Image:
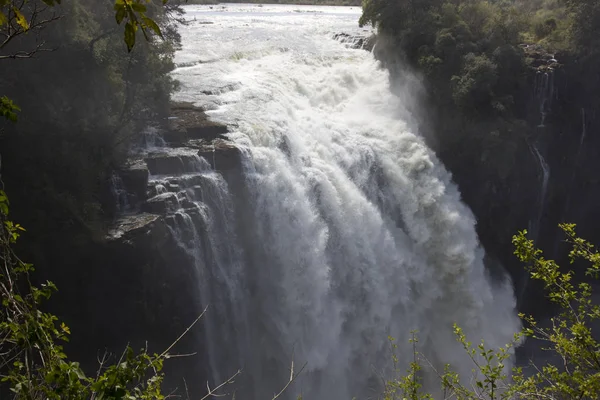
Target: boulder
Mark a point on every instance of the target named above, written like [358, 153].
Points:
[135, 180]
[356, 41]
[222, 155]
[171, 163]
[161, 204]
[129, 227]
[190, 122]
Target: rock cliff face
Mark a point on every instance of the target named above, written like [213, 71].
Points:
[143, 277]
[530, 171]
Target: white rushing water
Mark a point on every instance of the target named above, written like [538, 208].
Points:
[357, 231]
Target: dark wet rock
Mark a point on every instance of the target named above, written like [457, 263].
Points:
[190, 122]
[135, 180]
[222, 155]
[131, 226]
[171, 163]
[173, 187]
[165, 164]
[356, 41]
[161, 204]
[540, 59]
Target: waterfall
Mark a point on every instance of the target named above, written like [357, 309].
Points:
[583, 130]
[576, 165]
[200, 216]
[119, 193]
[544, 93]
[350, 228]
[544, 177]
[535, 224]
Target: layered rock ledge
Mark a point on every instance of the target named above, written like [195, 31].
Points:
[158, 182]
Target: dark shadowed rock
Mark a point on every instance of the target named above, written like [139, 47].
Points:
[131, 226]
[190, 122]
[222, 155]
[356, 41]
[135, 180]
[165, 164]
[173, 162]
[161, 203]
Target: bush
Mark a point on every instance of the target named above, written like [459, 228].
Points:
[574, 369]
[473, 89]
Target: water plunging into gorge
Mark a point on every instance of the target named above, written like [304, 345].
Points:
[342, 227]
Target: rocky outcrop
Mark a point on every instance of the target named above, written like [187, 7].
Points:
[222, 155]
[142, 276]
[365, 42]
[189, 122]
[156, 181]
[539, 59]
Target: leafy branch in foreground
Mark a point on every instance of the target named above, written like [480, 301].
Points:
[573, 369]
[18, 17]
[32, 361]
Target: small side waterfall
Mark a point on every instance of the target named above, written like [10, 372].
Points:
[196, 206]
[119, 193]
[200, 216]
[544, 93]
[535, 224]
[541, 203]
[575, 166]
[583, 130]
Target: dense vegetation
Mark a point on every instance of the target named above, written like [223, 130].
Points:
[470, 50]
[84, 101]
[503, 80]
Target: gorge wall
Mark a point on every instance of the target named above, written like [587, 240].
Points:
[327, 227]
[530, 171]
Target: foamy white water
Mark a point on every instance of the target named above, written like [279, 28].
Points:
[357, 231]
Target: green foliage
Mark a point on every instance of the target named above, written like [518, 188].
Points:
[8, 109]
[134, 12]
[475, 84]
[32, 361]
[408, 386]
[573, 371]
[458, 44]
[83, 105]
[16, 18]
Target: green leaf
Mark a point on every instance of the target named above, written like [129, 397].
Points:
[130, 35]
[3, 19]
[149, 22]
[120, 14]
[21, 20]
[139, 7]
[8, 109]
